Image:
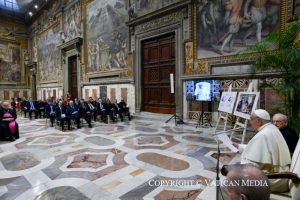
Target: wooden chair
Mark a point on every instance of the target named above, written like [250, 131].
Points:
[293, 175]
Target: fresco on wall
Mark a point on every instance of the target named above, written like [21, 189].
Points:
[228, 28]
[106, 35]
[49, 59]
[72, 23]
[146, 6]
[10, 62]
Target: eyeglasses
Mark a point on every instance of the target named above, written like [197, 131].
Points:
[277, 121]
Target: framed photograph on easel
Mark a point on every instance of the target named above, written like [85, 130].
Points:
[246, 104]
[227, 102]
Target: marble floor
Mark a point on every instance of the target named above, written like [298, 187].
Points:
[140, 159]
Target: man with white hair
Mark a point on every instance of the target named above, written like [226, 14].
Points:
[290, 135]
[267, 150]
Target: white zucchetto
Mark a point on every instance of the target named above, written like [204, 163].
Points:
[262, 114]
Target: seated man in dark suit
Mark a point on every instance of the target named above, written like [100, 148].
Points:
[101, 110]
[41, 105]
[50, 111]
[110, 109]
[85, 112]
[124, 110]
[72, 112]
[92, 106]
[8, 125]
[61, 115]
[32, 107]
[290, 135]
[24, 106]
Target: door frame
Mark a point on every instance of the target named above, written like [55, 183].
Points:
[66, 86]
[173, 70]
[176, 29]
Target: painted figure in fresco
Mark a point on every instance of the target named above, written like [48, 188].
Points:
[93, 57]
[257, 13]
[117, 54]
[234, 20]
[210, 13]
[262, 17]
[103, 55]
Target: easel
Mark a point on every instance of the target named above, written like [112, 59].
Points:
[201, 118]
[242, 125]
[224, 115]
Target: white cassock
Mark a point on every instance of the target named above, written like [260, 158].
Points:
[268, 151]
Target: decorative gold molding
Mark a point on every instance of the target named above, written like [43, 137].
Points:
[201, 67]
[189, 60]
[159, 22]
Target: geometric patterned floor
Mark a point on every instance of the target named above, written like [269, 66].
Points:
[140, 159]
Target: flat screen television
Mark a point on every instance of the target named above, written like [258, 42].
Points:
[203, 90]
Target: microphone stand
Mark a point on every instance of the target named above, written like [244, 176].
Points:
[218, 189]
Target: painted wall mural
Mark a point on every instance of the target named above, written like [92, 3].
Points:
[143, 7]
[49, 58]
[72, 22]
[228, 28]
[10, 62]
[106, 35]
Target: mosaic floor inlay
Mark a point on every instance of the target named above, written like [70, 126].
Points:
[109, 161]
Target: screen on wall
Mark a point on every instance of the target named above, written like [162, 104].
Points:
[203, 90]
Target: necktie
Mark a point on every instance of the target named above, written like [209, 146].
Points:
[32, 107]
[91, 106]
[51, 108]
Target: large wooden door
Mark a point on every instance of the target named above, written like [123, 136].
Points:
[73, 76]
[158, 62]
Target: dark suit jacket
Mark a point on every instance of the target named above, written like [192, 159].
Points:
[34, 104]
[48, 109]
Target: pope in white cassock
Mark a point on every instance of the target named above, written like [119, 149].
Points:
[267, 149]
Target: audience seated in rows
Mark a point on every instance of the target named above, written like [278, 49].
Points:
[66, 112]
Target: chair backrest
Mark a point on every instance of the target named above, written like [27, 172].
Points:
[295, 168]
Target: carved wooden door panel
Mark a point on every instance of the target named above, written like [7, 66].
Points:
[73, 76]
[158, 62]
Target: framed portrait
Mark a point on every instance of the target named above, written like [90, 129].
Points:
[246, 104]
[227, 102]
[226, 28]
